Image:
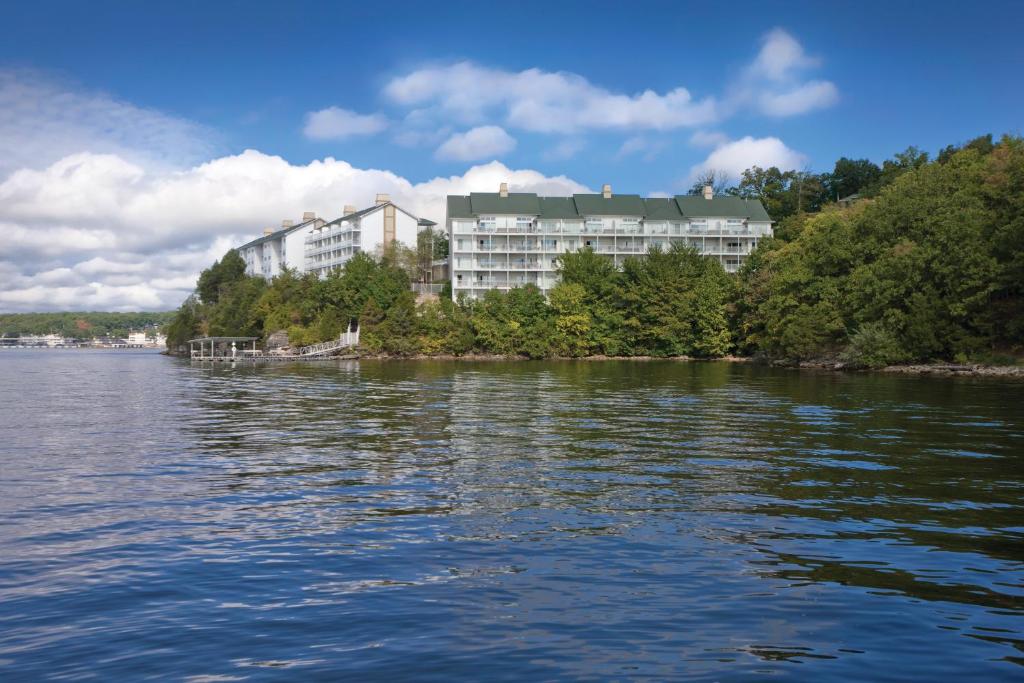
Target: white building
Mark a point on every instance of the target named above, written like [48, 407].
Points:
[330, 245]
[508, 239]
[267, 256]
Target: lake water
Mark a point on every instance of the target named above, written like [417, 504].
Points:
[505, 521]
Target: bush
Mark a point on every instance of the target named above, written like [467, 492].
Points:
[873, 346]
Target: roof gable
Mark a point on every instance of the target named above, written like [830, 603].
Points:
[525, 203]
[662, 209]
[695, 206]
[558, 207]
[616, 205]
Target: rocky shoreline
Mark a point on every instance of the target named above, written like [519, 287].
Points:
[932, 369]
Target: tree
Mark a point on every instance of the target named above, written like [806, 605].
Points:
[220, 275]
[850, 176]
[720, 182]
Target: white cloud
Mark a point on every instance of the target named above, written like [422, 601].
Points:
[780, 56]
[543, 101]
[773, 84]
[335, 123]
[800, 99]
[477, 143]
[732, 158]
[96, 231]
[42, 120]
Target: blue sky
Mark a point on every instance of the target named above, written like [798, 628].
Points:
[907, 73]
[141, 112]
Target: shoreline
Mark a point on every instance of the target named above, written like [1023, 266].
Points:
[939, 369]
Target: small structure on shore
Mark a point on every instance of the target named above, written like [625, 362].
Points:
[223, 348]
[244, 348]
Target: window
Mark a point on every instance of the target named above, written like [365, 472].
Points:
[487, 223]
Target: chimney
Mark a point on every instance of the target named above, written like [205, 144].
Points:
[348, 210]
[606, 191]
[503, 190]
[308, 216]
[709, 192]
[383, 199]
[268, 231]
[286, 223]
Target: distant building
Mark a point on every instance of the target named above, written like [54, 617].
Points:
[315, 246]
[267, 256]
[331, 245]
[508, 239]
[137, 339]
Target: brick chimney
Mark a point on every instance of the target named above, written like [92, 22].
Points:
[383, 199]
[308, 216]
[709, 192]
[268, 231]
[606, 191]
[503, 190]
[348, 210]
[286, 223]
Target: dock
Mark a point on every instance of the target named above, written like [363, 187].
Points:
[243, 349]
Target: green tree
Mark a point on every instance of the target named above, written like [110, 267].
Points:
[219, 276]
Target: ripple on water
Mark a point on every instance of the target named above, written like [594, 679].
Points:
[508, 521]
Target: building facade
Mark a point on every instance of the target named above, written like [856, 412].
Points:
[509, 239]
[331, 245]
[314, 245]
[268, 255]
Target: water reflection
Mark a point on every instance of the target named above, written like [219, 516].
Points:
[528, 520]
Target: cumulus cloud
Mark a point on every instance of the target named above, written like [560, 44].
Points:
[335, 123]
[543, 101]
[774, 83]
[780, 56]
[43, 120]
[734, 157]
[477, 143]
[100, 232]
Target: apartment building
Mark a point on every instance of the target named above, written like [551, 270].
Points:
[331, 245]
[509, 239]
[268, 255]
[314, 245]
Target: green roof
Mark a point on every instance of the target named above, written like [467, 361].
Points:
[662, 209]
[695, 206]
[525, 203]
[579, 205]
[616, 205]
[458, 207]
[558, 207]
[273, 235]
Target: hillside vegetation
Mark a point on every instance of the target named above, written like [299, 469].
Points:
[927, 264]
[80, 324]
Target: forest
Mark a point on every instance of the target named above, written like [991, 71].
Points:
[80, 325]
[918, 259]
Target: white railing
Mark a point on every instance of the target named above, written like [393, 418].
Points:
[345, 340]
